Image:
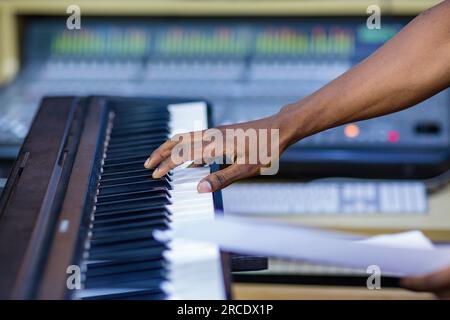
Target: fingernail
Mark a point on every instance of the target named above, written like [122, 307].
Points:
[147, 163]
[155, 173]
[204, 187]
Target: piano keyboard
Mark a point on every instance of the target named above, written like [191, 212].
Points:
[121, 258]
[94, 206]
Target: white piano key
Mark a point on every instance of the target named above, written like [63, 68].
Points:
[195, 270]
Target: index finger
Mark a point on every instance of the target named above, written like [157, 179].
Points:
[160, 154]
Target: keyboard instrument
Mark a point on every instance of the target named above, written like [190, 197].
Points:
[78, 211]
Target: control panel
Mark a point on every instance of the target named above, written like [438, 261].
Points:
[246, 67]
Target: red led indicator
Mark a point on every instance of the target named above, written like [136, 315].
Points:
[393, 136]
[351, 131]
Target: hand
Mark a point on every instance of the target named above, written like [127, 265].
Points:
[213, 144]
[437, 282]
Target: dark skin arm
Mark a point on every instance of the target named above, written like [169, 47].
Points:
[411, 67]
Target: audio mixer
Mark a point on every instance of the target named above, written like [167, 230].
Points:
[246, 67]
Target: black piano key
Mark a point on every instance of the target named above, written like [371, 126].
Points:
[155, 140]
[126, 158]
[147, 207]
[136, 110]
[119, 214]
[119, 125]
[118, 168]
[130, 137]
[129, 212]
[142, 151]
[168, 176]
[144, 283]
[122, 164]
[135, 284]
[145, 296]
[134, 186]
[155, 293]
[127, 245]
[127, 226]
[122, 177]
[138, 156]
[156, 252]
[135, 178]
[131, 203]
[124, 107]
[146, 278]
[160, 182]
[132, 145]
[137, 137]
[114, 268]
[136, 125]
[133, 173]
[91, 264]
[125, 174]
[127, 152]
[124, 236]
[126, 132]
[144, 232]
[136, 194]
[131, 217]
[141, 115]
[113, 240]
[134, 204]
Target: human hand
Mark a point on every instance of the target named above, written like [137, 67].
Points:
[244, 146]
[436, 282]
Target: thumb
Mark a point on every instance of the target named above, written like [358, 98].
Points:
[220, 179]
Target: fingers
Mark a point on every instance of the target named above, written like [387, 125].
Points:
[168, 164]
[435, 282]
[160, 154]
[163, 168]
[220, 179]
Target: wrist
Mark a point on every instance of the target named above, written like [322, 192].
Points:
[287, 124]
[292, 123]
[303, 118]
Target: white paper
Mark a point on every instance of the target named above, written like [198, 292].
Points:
[411, 239]
[409, 253]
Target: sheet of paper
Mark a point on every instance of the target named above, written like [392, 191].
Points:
[409, 253]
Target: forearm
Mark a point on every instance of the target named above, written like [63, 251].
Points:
[411, 67]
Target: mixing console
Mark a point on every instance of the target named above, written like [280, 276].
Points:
[247, 68]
